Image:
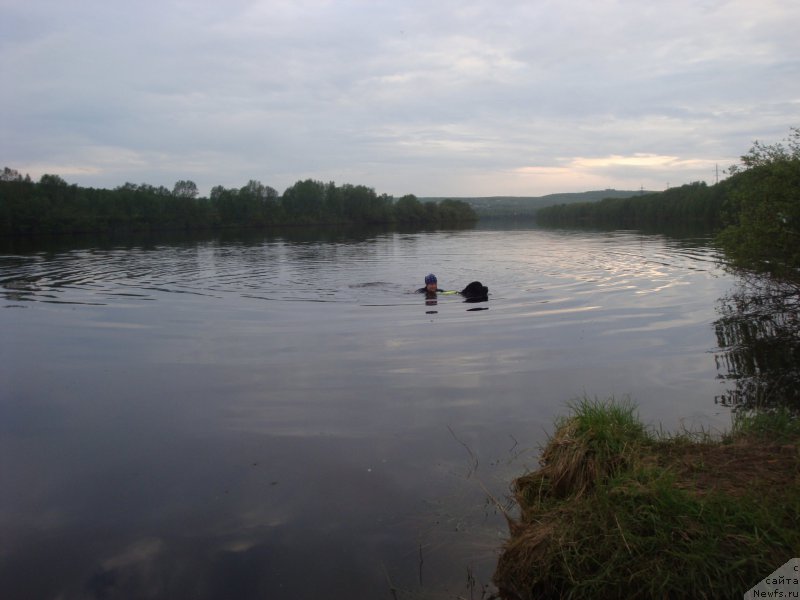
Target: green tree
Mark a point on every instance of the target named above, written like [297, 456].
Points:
[224, 205]
[304, 201]
[409, 209]
[258, 204]
[764, 210]
[454, 211]
[9, 174]
[185, 189]
[360, 204]
[52, 181]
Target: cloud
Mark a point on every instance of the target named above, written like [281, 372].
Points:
[640, 160]
[448, 96]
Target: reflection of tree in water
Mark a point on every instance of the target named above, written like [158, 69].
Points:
[759, 339]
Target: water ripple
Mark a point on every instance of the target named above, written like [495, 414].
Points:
[516, 265]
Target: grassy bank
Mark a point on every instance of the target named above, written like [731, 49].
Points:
[618, 510]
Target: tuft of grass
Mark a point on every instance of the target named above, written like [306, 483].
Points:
[616, 510]
[593, 443]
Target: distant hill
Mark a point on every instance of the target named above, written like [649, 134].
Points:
[516, 207]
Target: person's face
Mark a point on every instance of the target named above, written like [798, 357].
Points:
[431, 287]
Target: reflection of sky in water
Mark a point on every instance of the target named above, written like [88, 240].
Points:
[192, 421]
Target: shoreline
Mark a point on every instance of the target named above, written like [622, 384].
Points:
[616, 510]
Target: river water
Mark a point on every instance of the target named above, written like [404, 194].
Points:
[281, 416]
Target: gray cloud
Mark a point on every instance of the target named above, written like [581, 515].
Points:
[445, 98]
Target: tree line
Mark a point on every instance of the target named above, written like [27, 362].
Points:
[51, 205]
[755, 211]
[694, 205]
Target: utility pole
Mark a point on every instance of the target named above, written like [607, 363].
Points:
[716, 172]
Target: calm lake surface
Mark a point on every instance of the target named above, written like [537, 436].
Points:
[282, 417]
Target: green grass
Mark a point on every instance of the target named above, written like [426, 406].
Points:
[780, 424]
[617, 510]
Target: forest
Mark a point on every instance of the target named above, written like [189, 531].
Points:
[755, 211]
[694, 205]
[52, 206]
[522, 208]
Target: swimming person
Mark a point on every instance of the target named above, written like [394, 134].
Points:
[431, 285]
[474, 292]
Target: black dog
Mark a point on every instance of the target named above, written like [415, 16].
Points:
[475, 292]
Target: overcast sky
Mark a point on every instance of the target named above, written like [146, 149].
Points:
[430, 97]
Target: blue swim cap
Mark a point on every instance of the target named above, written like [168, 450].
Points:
[431, 278]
